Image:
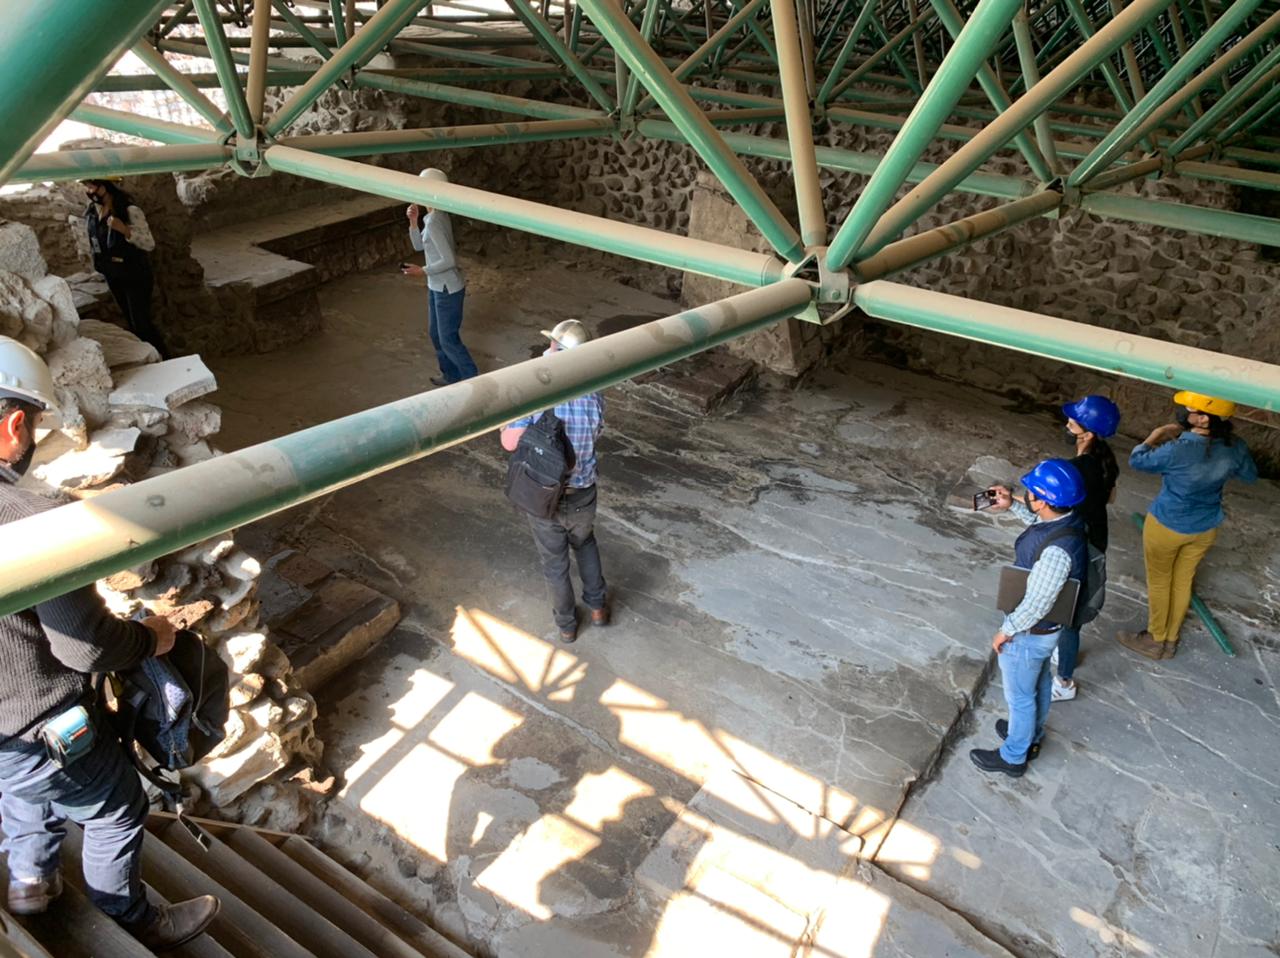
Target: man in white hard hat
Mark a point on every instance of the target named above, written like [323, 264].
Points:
[58, 760]
[573, 526]
[446, 287]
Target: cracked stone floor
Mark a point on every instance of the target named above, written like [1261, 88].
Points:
[766, 753]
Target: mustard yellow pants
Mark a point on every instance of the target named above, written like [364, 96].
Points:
[1172, 559]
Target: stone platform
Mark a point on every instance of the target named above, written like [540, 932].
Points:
[802, 626]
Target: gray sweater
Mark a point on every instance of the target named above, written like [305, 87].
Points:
[48, 652]
[436, 241]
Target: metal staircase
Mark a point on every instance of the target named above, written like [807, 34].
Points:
[281, 898]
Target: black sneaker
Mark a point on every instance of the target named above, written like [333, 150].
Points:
[1002, 729]
[989, 760]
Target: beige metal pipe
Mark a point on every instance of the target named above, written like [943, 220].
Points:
[795, 99]
[256, 86]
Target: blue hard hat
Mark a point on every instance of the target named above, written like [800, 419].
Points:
[1057, 482]
[1097, 414]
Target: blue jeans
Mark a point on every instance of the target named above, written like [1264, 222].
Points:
[101, 791]
[445, 327]
[1028, 690]
[1068, 652]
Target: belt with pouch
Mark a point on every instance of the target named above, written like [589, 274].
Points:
[1044, 629]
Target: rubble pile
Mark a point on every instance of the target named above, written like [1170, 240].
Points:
[128, 416]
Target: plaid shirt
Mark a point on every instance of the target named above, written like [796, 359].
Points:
[583, 420]
[1044, 581]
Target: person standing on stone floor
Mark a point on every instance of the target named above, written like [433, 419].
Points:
[120, 241]
[432, 235]
[58, 758]
[1195, 458]
[1054, 548]
[573, 526]
[1091, 421]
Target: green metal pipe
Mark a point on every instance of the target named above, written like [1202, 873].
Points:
[62, 549]
[1245, 227]
[550, 41]
[914, 250]
[367, 41]
[377, 142]
[846, 50]
[176, 81]
[799, 119]
[1264, 76]
[1199, 607]
[135, 124]
[50, 65]
[220, 53]
[302, 30]
[863, 70]
[339, 21]
[976, 41]
[647, 25]
[477, 98]
[703, 137]
[894, 45]
[1218, 173]
[992, 137]
[1107, 68]
[177, 19]
[126, 161]
[1124, 354]
[1030, 77]
[624, 239]
[1264, 118]
[1258, 111]
[1162, 96]
[991, 86]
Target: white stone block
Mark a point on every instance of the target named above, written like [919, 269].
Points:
[79, 367]
[100, 462]
[164, 385]
[193, 421]
[20, 251]
[227, 778]
[243, 652]
[55, 291]
[119, 346]
[190, 455]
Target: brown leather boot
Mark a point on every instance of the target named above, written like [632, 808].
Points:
[33, 898]
[1141, 642]
[1170, 649]
[176, 924]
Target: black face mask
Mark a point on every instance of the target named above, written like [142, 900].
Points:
[1184, 418]
[1069, 437]
[19, 468]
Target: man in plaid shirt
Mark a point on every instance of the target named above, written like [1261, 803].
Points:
[573, 526]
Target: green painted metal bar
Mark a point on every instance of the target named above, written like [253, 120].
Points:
[894, 43]
[852, 161]
[921, 248]
[148, 128]
[575, 29]
[795, 99]
[220, 53]
[74, 545]
[1256, 113]
[846, 51]
[1263, 76]
[367, 41]
[1264, 119]
[477, 98]
[1131, 68]
[1244, 227]
[176, 81]
[1107, 68]
[624, 239]
[1217, 70]
[178, 17]
[1199, 607]
[1166, 61]
[376, 142]
[713, 43]
[863, 70]
[339, 21]
[1228, 174]
[126, 161]
[975, 43]
[703, 137]
[990, 138]
[49, 68]
[991, 86]
[829, 30]
[1030, 77]
[551, 41]
[302, 30]
[1164, 96]
[647, 25]
[1125, 354]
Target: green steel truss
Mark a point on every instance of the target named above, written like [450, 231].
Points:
[1046, 105]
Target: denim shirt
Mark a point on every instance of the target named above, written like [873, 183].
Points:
[1194, 470]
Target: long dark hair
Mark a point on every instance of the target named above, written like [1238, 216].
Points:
[120, 200]
[1220, 428]
[1100, 449]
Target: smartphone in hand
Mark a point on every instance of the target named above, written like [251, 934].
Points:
[984, 499]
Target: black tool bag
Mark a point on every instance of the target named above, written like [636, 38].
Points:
[540, 467]
[173, 706]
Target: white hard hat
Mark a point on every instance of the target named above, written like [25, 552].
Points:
[433, 174]
[24, 375]
[567, 334]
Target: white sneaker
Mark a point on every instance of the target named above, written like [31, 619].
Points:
[1063, 692]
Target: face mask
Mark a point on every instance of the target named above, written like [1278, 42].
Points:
[1184, 418]
[19, 468]
[1069, 437]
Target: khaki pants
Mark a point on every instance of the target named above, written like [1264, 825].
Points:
[1172, 559]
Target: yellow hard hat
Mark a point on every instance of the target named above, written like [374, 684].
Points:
[1222, 408]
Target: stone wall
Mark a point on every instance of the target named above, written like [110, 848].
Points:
[126, 416]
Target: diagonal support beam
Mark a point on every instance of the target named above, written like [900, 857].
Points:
[301, 29]
[1030, 77]
[1161, 96]
[180, 84]
[256, 92]
[148, 128]
[48, 69]
[551, 41]
[126, 161]
[1264, 76]
[795, 99]
[220, 53]
[859, 27]
[975, 43]
[1020, 115]
[680, 107]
